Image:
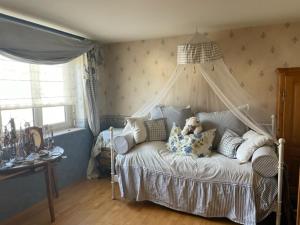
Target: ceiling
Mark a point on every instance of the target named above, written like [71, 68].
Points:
[128, 20]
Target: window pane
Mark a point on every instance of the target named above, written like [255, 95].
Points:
[15, 83]
[52, 115]
[52, 93]
[24, 85]
[52, 84]
[51, 72]
[20, 115]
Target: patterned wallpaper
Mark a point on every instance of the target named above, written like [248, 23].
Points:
[135, 71]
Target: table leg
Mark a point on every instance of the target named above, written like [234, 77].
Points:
[49, 184]
[54, 183]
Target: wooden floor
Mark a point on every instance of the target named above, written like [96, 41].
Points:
[89, 203]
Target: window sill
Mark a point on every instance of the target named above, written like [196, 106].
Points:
[67, 131]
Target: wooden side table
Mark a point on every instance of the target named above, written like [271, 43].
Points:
[46, 165]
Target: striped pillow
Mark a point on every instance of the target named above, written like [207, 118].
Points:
[265, 161]
[156, 129]
[229, 144]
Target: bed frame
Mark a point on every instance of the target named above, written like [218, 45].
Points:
[280, 148]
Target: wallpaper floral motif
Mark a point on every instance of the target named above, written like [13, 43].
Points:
[136, 71]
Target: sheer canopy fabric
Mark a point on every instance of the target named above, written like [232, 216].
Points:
[234, 97]
[38, 46]
[203, 81]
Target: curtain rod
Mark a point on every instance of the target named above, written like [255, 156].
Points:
[42, 27]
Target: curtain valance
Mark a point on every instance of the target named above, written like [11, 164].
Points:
[32, 44]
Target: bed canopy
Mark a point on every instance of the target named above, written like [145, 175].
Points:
[209, 85]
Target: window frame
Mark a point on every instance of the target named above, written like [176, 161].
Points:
[37, 112]
[69, 118]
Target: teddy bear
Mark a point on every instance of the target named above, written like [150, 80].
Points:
[192, 125]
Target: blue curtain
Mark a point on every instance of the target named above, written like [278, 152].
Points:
[32, 44]
[93, 68]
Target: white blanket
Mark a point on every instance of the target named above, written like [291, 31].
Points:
[215, 186]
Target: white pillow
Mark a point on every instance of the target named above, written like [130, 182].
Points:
[252, 142]
[123, 143]
[137, 127]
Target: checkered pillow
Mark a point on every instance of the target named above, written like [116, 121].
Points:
[156, 130]
[229, 143]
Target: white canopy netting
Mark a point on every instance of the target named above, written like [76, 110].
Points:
[202, 80]
[208, 86]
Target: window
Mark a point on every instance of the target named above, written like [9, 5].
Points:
[36, 94]
[20, 115]
[54, 115]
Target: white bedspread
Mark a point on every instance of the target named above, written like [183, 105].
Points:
[214, 186]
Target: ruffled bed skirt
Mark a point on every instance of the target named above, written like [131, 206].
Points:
[240, 203]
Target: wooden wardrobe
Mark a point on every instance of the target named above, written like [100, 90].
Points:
[288, 121]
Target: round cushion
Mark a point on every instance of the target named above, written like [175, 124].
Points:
[123, 143]
[265, 161]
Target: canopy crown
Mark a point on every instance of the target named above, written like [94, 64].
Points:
[198, 50]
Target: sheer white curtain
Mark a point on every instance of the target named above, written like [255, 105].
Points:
[24, 85]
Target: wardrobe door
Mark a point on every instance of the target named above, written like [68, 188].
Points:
[288, 112]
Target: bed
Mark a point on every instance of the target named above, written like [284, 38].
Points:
[101, 149]
[213, 186]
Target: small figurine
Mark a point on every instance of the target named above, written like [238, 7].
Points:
[6, 137]
[17, 146]
[52, 139]
[1, 155]
[48, 134]
[13, 132]
[29, 145]
[21, 154]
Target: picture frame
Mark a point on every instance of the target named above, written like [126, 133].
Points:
[37, 134]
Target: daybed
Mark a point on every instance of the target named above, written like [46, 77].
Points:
[214, 186]
[101, 149]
